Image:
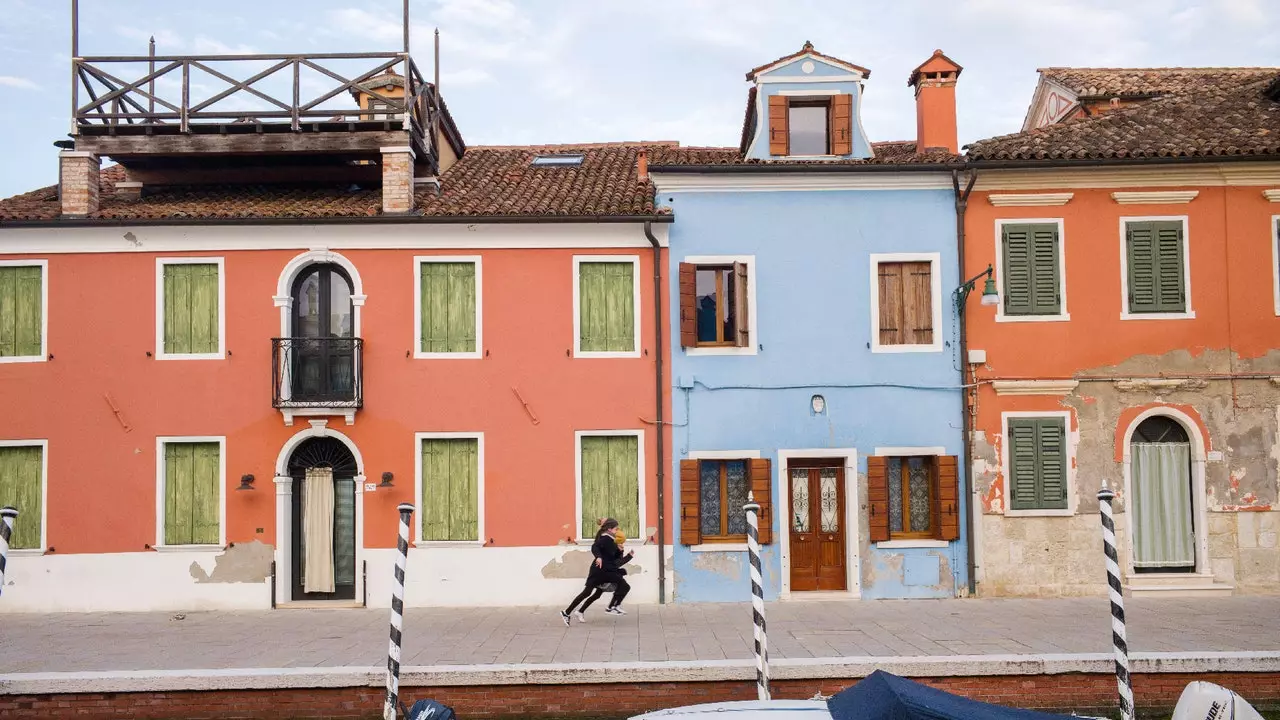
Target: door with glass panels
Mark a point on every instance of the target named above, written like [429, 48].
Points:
[324, 520]
[817, 527]
[323, 349]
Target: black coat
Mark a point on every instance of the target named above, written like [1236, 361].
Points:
[606, 549]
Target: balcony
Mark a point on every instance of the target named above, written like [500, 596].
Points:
[317, 376]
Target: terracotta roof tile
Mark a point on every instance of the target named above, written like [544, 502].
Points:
[487, 181]
[808, 48]
[898, 152]
[1230, 116]
[1148, 82]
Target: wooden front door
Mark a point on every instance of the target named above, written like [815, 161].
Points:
[817, 527]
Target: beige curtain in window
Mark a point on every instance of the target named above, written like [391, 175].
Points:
[317, 531]
[1162, 524]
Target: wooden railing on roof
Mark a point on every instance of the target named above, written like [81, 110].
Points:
[162, 98]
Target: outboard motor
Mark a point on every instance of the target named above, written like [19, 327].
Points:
[429, 710]
[1205, 701]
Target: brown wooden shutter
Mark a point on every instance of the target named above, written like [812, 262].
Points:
[948, 527]
[842, 124]
[690, 505]
[688, 305]
[741, 311]
[762, 490]
[917, 297]
[891, 317]
[778, 135]
[878, 498]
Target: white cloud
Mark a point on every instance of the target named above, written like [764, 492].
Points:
[17, 82]
[465, 77]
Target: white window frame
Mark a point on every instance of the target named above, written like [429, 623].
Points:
[418, 262]
[161, 442]
[935, 278]
[416, 535]
[1124, 268]
[577, 475]
[1274, 230]
[1006, 468]
[578, 260]
[161, 262]
[753, 318]
[700, 455]
[44, 311]
[43, 444]
[1063, 314]
[912, 451]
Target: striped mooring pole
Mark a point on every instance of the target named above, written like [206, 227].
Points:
[757, 596]
[7, 516]
[397, 616]
[1116, 591]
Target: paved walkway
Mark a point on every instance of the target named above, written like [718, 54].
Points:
[533, 636]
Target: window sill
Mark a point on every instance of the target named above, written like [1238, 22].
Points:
[192, 356]
[581, 355]
[448, 544]
[718, 547]
[1045, 512]
[24, 359]
[476, 355]
[894, 349]
[1126, 315]
[26, 552]
[187, 548]
[904, 544]
[1064, 317]
[711, 350]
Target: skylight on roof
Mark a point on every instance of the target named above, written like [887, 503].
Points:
[557, 160]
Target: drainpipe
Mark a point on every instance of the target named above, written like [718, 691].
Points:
[662, 429]
[962, 204]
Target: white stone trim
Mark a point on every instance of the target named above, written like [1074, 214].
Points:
[415, 534]
[1034, 387]
[1272, 195]
[909, 451]
[853, 525]
[577, 477]
[161, 442]
[43, 444]
[805, 79]
[935, 278]
[1030, 199]
[1274, 231]
[1071, 439]
[1143, 176]
[753, 317]
[392, 149]
[1063, 315]
[1190, 312]
[723, 455]
[78, 154]
[853, 73]
[817, 180]
[161, 263]
[418, 262]
[44, 310]
[578, 260]
[1199, 497]
[1162, 197]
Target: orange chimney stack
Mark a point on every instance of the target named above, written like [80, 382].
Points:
[935, 84]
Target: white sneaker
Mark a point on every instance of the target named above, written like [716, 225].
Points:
[615, 611]
[579, 617]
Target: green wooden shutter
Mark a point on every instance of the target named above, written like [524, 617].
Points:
[606, 298]
[1052, 463]
[1038, 464]
[610, 483]
[448, 307]
[450, 489]
[20, 311]
[192, 481]
[1022, 461]
[191, 309]
[21, 469]
[1156, 277]
[1170, 280]
[1016, 268]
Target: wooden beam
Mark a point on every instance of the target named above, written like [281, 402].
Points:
[237, 85]
[347, 84]
[124, 146]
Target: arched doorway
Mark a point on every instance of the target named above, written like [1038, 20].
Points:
[1162, 504]
[323, 472]
[323, 365]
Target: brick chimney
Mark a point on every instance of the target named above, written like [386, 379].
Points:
[79, 178]
[935, 84]
[397, 180]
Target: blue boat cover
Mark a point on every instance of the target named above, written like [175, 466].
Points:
[885, 696]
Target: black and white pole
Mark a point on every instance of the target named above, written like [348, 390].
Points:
[752, 509]
[397, 616]
[7, 516]
[1116, 591]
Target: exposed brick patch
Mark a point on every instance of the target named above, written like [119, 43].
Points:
[1094, 694]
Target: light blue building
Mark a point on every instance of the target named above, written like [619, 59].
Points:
[815, 354]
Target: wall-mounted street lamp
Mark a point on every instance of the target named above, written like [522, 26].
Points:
[989, 294]
[246, 482]
[387, 477]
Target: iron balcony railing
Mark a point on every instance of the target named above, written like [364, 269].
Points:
[317, 372]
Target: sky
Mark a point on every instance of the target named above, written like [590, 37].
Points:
[551, 71]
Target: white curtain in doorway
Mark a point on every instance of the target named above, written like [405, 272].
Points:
[1162, 529]
[317, 531]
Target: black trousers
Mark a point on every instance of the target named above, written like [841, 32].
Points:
[592, 592]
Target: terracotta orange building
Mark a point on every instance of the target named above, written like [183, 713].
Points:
[1131, 229]
[227, 358]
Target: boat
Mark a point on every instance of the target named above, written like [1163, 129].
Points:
[885, 696]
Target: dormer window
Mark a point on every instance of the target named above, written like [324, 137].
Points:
[810, 126]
